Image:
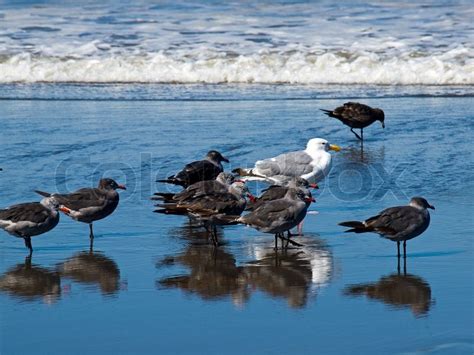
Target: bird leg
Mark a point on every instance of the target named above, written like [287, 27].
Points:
[398, 248]
[359, 137]
[405, 266]
[404, 249]
[299, 228]
[214, 234]
[276, 241]
[28, 244]
[362, 134]
[91, 232]
[290, 241]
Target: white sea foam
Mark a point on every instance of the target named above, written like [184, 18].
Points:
[183, 42]
[450, 68]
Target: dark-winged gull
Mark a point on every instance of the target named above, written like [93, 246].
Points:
[230, 202]
[26, 220]
[275, 192]
[398, 224]
[219, 185]
[279, 216]
[204, 207]
[88, 205]
[356, 115]
[312, 164]
[201, 170]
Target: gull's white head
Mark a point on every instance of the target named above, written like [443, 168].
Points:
[315, 144]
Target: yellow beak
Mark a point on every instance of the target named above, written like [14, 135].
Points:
[334, 147]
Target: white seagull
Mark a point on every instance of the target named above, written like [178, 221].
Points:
[312, 164]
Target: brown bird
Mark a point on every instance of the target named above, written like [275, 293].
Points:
[275, 192]
[356, 115]
[205, 207]
[26, 220]
[201, 188]
[279, 216]
[88, 205]
[398, 224]
[201, 170]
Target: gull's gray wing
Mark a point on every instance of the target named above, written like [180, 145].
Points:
[288, 164]
[397, 221]
[82, 198]
[33, 212]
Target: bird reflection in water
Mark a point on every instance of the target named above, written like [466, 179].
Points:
[213, 274]
[399, 291]
[293, 274]
[369, 155]
[92, 268]
[29, 282]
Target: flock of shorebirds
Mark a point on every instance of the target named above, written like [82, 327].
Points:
[215, 198]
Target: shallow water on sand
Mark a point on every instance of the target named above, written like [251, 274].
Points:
[153, 284]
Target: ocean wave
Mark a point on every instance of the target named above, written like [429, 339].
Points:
[453, 67]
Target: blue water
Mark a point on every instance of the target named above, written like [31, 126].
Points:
[154, 285]
[134, 91]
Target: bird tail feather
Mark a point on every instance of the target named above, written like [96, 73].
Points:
[170, 208]
[327, 112]
[224, 220]
[42, 193]
[163, 196]
[172, 180]
[247, 172]
[356, 227]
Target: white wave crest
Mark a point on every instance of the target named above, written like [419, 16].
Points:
[455, 67]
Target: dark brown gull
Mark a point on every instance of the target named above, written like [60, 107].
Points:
[279, 216]
[356, 115]
[201, 170]
[219, 185]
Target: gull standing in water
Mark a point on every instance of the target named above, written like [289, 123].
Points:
[88, 205]
[207, 206]
[312, 164]
[201, 170]
[26, 220]
[279, 216]
[356, 115]
[275, 192]
[398, 224]
[219, 185]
